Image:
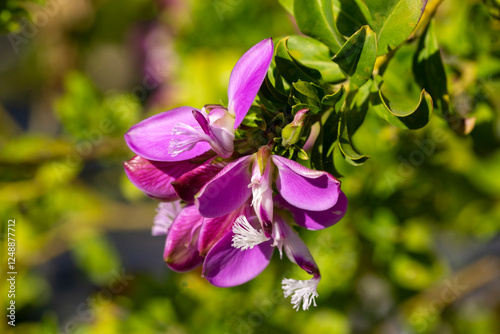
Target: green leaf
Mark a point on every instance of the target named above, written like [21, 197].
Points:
[271, 93]
[407, 116]
[336, 99]
[315, 19]
[290, 69]
[307, 90]
[322, 152]
[347, 148]
[357, 56]
[288, 5]
[350, 15]
[430, 75]
[317, 55]
[306, 96]
[428, 67]
[394, 21]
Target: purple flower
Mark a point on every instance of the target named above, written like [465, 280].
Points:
[184, 133]
[309, 194]
[174, 145]
[313, 198]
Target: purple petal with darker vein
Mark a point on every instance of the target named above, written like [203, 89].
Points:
[154, 177]
[181, 247]
[191, 182]
[315, 220]
[305, 188]
[295, 249]
[227, 191]
[247, 77]
[226, 266]
[151, 138]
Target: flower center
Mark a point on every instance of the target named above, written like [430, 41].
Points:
[245, 235]
[186, 137]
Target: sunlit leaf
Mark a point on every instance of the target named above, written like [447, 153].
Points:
[315, 19]
[290, 69]
[357, 56]
[394, 21]
[314, 54]
[350, 15]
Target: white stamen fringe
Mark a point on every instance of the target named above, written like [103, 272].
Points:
[191, 138]
[245, 236]
[302, 292]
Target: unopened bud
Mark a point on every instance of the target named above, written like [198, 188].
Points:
[292, 132]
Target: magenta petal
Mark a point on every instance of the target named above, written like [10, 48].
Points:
[295, 249]
[181, 247]
[151, 138]
[154, 177]
[227, 191]
[213, 229]
[247, 77]
[305, 188]
[315, 220]
[226, 266]
[191, 182]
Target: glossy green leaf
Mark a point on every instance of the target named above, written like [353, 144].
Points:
[308, 90]
[347, 148]
[350, 15]
[290, 69]
[314, 54]
[306, 96]
[315, 19]
[408, 116]
[322, 152]
[394, 21]
[271, 93]
[357, 56]
[330, 125]
[358, 105]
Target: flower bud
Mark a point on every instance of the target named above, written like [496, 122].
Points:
[292, 132]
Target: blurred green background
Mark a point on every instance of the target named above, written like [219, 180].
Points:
[418, 251]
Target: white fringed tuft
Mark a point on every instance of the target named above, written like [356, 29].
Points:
[302, 292]
[245, 236]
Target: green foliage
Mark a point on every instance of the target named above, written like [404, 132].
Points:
[13, 11]
[315, 19]
[423, 210]
[357, 56]
[85, 113]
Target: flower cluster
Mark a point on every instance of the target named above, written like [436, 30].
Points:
[237, 205]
